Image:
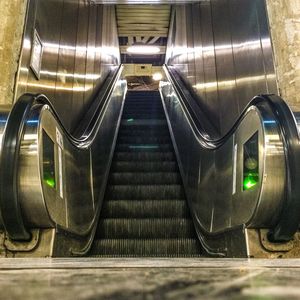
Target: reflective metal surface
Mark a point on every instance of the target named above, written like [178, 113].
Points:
[73, 200]
[80, 48]
[222, 49]
[213, 175]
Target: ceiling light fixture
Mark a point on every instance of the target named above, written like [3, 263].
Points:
[147, 50]
[157, 76]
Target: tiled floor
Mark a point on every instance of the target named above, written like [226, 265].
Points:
[149, 279]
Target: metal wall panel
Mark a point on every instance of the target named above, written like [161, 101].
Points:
[77, 54]
[224, 52]
[80, 61]
[65, 69]
[225, 68]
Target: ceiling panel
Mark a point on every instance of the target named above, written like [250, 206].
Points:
[143, 25]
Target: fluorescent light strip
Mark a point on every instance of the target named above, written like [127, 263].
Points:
[146, 50]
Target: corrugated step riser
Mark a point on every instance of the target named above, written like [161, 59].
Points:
[146, 248]
[145, 209]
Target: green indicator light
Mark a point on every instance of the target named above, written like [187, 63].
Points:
[130, 120]
[249, 182]
[50, 182]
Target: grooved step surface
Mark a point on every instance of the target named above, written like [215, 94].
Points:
[145, 209]
[145, 213]
[142, 147]
[146, 166]
[144, 156]
[146, 248]
[154, 228]
[144, 178]
[170, 191]
[143, 139]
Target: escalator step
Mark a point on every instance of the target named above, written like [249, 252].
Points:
[152, 192]
[143, 109]
[146, 166]
[144, 147]
[145, 209]
[144, 156]
[145, 248]
[142, 128]
[123, 139]
[132, 123]
[145, 228]
[143, 116]
[144, 178]
[140, 133]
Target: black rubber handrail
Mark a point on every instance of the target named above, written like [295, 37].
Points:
[10, 208]
[289, 219]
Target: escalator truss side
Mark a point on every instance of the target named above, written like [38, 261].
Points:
[59, 180]
[213, 169]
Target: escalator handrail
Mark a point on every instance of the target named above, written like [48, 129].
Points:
[9, 203]
[10, 207]
[88, 135]
[289, 219]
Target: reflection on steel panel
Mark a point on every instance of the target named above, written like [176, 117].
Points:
[74, 34]
[229, 43]
[214, 174]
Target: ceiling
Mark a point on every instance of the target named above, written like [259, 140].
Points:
[143, 25]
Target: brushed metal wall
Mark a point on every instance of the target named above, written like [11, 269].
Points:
[80, 48]
[222, 48]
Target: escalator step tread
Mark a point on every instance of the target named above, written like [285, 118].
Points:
[144, 178]
[140, 131]
[144, 147]
[145, 209]
[137, 134]
[143, 116]
[145, 166]
[146, 248]
[142, 128]
[123, 139]
[170, 191]
[131, 123]
[145, 109]
[144, 156]
[145, 228]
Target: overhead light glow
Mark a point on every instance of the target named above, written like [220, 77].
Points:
[157, 76]
[147, 50]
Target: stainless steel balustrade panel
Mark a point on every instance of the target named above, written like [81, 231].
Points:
[266, 46]
[229, 43]
[209, 63]
[217, 204]
[80, 49]
[78, 98]
[91, 50]
[80, 171]
[229, 104]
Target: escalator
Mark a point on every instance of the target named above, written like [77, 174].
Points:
[145, 212]
[144, 177]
